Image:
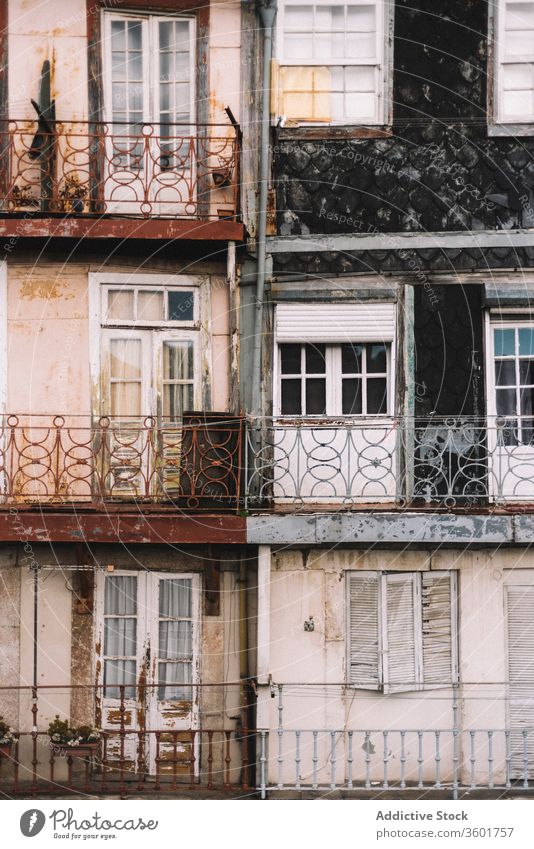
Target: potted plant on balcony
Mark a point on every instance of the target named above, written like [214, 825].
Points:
[7, 738]
[81, 741]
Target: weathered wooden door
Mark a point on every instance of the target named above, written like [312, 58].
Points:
[148, 667]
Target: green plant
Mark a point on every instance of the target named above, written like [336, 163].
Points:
[7, 734]
[62, 734]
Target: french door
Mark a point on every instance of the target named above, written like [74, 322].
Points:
[149, 72]
[148, 382]
[148, 632]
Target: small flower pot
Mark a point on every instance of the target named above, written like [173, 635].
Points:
[5, 750]
[82, 750]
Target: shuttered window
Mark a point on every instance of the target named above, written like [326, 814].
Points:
[514, 92]
[520, 619]
[402, 630]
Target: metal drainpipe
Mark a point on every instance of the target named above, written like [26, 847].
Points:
[267, 12]
[35, 570]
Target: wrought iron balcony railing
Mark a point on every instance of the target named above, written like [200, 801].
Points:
[146, 171]
[453, 461]
[194, 463]
[218, 462]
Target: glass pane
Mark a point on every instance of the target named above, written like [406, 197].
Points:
[527, 431]
[120, 637]
[175, 597]
[504, 342]
[175, 640]
[316, 396]
[526, 341]
[135, 67]
[361, 18]
[126, 399]
[118, 67]
[505, 372]
[291, 400]
[177, 399]
[118, 40]
[351, 359]
[352, 397]
[505, 402]
[527, 402]
[377, 395]
[526, 372]
[150, 306]
[165, 35]
[178, 360]
[290, 359]
[376, 358]
[134, 35]
[121, 595]
[181, 305]
[125, 359]
[135, 96]
[299, 18]
[315, 359]
[170, 676]
[119, 672]
[121, 304]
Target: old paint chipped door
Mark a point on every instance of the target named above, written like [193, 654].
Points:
[147, 638]
[149, 109]
[173, 710]
[126, 397]
[123, 649]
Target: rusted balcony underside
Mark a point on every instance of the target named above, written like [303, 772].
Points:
[105, 527]
[120, 228]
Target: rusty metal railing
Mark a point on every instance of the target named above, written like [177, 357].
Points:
[193, 463]
[143, 170]
[205, 750]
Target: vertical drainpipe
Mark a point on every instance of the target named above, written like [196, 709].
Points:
[35, 570]
[267, 13]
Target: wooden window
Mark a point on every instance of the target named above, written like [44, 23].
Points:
[330, 380]
[514, 62]
[332, 61]
[402, 632]
[512, 379]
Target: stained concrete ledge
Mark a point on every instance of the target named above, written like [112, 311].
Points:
[400, 528]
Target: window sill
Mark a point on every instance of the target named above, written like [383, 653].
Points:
[510, 130]
[332, 132]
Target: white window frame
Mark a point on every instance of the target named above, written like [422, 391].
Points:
[164, 289]
[151, 91]
[519, 125]
[198, 331]
[383, 59]
[334, 381]
[511, 320]
[383, 680]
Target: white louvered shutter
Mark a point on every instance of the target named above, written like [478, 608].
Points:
[520, 615]
[401, 667]
[363, 632]
[370, 322]
[439, 628]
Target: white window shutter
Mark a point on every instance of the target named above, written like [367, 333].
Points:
[520, 615]
[439, 628]
[402, 634]
[341, 322]
[363, 631]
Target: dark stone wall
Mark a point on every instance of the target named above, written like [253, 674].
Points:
[439, 171]
[449, 376]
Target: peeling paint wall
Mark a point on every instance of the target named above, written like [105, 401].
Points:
[311, 582]
[58, 32]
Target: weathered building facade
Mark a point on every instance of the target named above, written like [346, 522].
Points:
[122, 554]
[397, 399]
[266, 367]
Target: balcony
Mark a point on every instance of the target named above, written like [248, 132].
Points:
[97, 172]
[192, 464]
[191, 746]
[446, 462]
